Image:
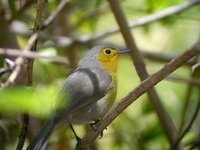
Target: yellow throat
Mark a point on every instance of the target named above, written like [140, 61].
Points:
[108, 59]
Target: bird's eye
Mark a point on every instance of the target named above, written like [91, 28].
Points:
[108, 51]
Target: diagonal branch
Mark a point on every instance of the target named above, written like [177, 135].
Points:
[151, 18]
[55, 13]
[143, 87]
[192, 81]
[165, 121]
[19, 62]
[137, 23]
[194, 116]
[91, 15]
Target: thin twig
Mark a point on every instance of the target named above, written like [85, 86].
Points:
[187, 100]
[165, 121]
[194, 144]
[96, 13]
[192, 81]
[163, 14]
[32, 55]
[139, 90]
[151, 18]
[163, 57]
[66, 41]
[25, 6]
[194, 116]
[20, 10]
[23, 133]
[90, 15]
[31, 46]
[19, 62]
[4, 70]
[54, 14]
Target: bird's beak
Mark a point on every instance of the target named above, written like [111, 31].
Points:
[124, 50]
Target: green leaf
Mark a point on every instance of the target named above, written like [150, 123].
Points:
[31, 100]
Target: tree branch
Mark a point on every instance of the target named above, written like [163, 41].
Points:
[32, 44]
[32, 55]
[23, 133]
[192, 81]
[19, 62]
[139, 90]
[54, 14]
[132, 24]
[164, 57]
[151, 18]
[95, 13]
[166, 123]
[194, 116]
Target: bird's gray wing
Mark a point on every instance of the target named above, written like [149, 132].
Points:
[83, 87]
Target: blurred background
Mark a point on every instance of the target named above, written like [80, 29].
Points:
[79, 26]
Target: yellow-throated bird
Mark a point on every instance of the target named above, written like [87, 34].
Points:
[87, 94]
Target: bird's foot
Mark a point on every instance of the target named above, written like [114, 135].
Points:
[94, 127]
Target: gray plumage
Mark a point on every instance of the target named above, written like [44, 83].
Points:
[81, 98]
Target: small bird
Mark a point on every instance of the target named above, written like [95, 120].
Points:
[87, 94]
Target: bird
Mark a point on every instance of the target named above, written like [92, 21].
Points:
[86, 95]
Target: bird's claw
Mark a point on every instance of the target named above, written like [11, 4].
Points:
[94, 127]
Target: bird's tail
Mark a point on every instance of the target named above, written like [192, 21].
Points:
[40, 140]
